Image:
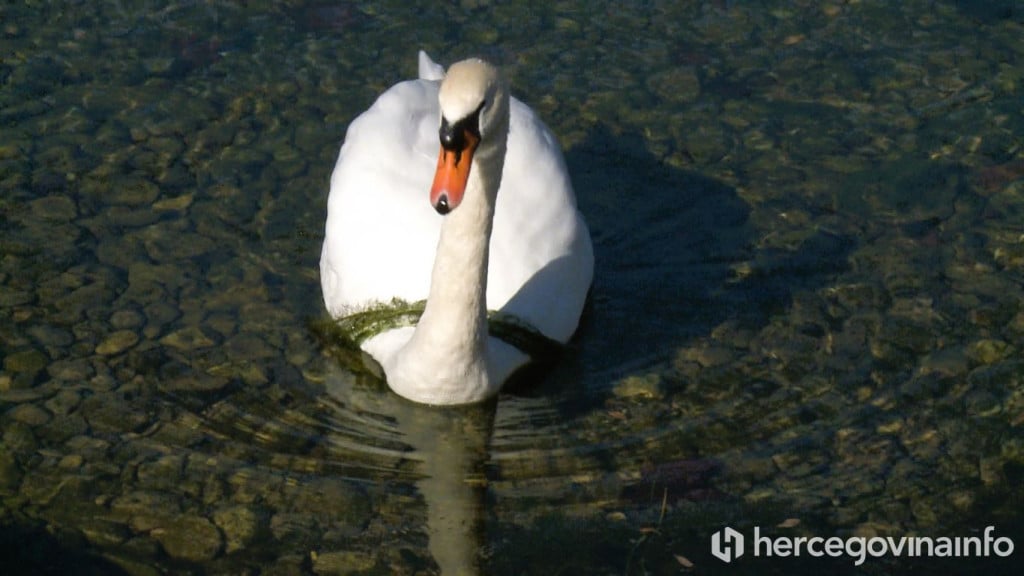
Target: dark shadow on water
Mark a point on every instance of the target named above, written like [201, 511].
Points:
[34, 550]
[668, 246]
[991, 12]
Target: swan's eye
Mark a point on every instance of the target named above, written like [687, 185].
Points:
[453, 134]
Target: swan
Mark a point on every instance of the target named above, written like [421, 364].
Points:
[449, 190]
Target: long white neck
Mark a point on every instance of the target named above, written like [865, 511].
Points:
[446, 360]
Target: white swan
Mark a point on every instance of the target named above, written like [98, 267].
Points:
[497, 230]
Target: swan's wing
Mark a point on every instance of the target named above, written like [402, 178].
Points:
[542, 260]
[381, 231]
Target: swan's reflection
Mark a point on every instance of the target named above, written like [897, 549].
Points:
[451, 447]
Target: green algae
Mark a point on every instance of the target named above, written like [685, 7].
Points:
[352, 330]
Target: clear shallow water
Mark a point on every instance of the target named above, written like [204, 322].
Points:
[807, 303]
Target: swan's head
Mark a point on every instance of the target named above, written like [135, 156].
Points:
[474, 126]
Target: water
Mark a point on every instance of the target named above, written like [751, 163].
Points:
[807, 310]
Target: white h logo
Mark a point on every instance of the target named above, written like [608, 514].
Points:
[727, 544]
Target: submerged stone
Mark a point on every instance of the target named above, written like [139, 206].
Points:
[30, 361]
[190, 537]
[648, 386]
[10, 297]
[29, 414]
[331, 502]
[145, 510]
[117, 342]
[126, 318]
[189, 338]
[342, 562]
[176, 203]
[70, 369]
[240, 525]
[51, 336]
[54, 208]
[109, 412]
[989, 351]
[10, 472]
[200, 382]
[131, 191]
[103, 532]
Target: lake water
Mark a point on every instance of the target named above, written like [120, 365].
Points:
[807, 315]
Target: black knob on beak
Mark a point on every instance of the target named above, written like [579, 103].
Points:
[442, 205]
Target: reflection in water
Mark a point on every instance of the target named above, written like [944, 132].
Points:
[450, 447]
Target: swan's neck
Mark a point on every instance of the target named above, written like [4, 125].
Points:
[446, 359]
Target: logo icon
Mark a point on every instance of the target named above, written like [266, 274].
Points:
[727, 544]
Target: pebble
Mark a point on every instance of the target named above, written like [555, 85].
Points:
[51, 336]
[293, 529]
[223, 324]
[117, 343]
[11, 297]
[174, 204]
[145, 510]
[948, 362]
[989, 351]
[158, 315]
[19, 395]
[981, 403]
[800, 463]
[710, 356]
[18, 439]
[89, 298]
[130, 191]
[677, 85]
[126, 319]
[1000, 377]
[188, 338]
[54, 208]
[29, 414]
[70, 369]
[10, 472]
[189, 537]
[108, 412]
[126, 555]
[28, 361]
[342, 562]
[123, 218]
[249, 346]
[991, 470]
[103, 532]
[71, 462]
[164, 473]
[240, 525]
[646, 387]
[195, 383]
[88, 447]
[331, 501]
[61, 429]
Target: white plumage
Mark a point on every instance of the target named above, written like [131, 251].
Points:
[383, 236]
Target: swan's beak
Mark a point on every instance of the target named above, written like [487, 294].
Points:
[453, 171]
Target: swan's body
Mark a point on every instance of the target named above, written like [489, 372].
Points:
[511, 239]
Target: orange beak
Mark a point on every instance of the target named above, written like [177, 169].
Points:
[452, 174]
